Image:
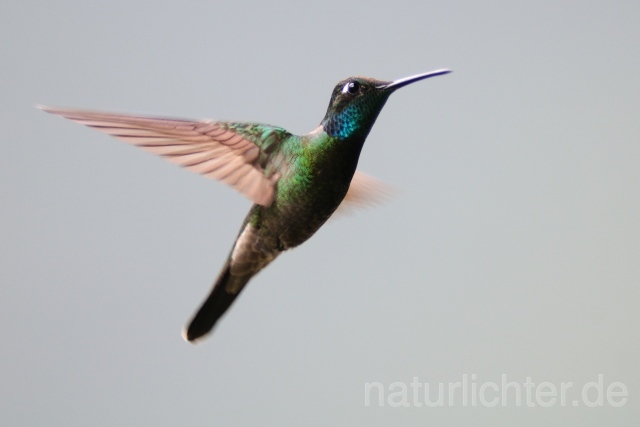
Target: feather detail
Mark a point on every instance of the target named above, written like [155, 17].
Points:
[365, 192]
[229, 152]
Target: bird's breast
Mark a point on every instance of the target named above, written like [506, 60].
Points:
[302, 204]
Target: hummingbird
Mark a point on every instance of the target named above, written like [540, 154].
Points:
[296, 182]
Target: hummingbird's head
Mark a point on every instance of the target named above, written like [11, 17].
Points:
[354, 107]
[356, 102]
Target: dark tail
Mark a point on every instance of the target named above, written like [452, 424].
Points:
[216, 304]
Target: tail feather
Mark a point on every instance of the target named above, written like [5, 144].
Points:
[216, 304]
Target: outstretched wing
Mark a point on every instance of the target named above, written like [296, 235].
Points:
[237, 154]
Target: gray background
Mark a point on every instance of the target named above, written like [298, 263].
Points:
[512, 247]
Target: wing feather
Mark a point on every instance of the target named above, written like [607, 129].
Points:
[221, 150]
[364, 192]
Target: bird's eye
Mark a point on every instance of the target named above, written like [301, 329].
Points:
[351, 87]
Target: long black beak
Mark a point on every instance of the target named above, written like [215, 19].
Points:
[397, 84]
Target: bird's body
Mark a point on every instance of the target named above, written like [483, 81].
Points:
[296, 182]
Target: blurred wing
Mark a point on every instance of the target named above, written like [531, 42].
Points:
[235, 153]
[365, 192]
